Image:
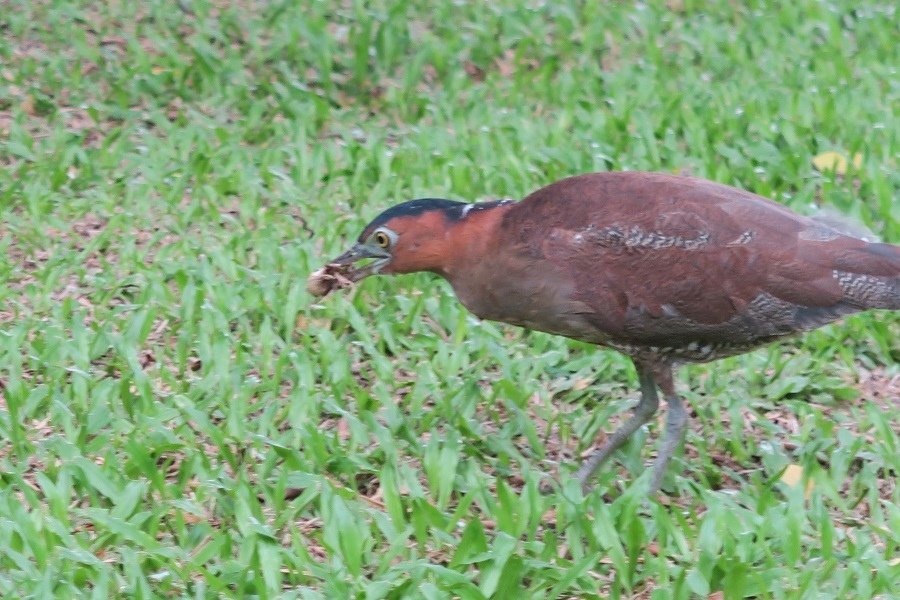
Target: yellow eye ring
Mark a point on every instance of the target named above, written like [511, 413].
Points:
[382, 239]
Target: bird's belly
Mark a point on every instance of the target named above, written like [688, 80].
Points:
[766, 319]
[691, 352]
[546, 304]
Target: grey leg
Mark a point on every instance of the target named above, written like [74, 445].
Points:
[644, 411]
[676, 423]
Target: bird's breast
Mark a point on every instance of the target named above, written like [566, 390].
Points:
[527, 297]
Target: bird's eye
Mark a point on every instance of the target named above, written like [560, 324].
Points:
[382, 239]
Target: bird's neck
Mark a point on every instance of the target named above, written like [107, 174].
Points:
[472, 240]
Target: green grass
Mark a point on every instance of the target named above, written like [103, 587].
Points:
[167, 181]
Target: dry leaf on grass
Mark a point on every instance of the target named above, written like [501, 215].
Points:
[793, 476]
[835, 161]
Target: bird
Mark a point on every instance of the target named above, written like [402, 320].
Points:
[666, 269]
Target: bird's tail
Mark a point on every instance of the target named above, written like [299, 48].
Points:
[870, 276]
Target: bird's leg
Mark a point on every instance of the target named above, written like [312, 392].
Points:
[643, 412]
[676, 422]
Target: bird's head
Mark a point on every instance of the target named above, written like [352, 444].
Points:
[428, 234]
[418, 235]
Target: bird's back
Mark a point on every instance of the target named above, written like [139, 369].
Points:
[692, 268]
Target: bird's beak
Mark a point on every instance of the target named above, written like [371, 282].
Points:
[361, 252]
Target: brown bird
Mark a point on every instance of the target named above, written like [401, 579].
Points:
[662, 268]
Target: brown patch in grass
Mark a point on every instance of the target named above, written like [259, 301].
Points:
[881, 388]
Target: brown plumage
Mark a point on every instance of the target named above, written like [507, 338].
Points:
[662, 268]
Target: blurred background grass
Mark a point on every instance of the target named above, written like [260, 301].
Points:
[171, 171]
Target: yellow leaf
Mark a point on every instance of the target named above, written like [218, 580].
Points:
[835, 161]
[793, 475]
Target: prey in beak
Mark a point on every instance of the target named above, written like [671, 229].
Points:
[342, 272]
[357, 253]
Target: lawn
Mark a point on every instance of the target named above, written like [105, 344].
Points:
[180, 418]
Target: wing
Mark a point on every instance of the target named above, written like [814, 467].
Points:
[671, 261]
